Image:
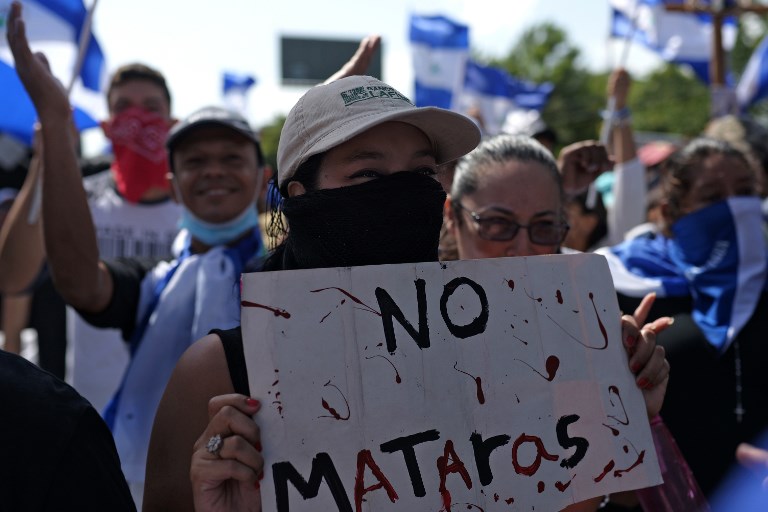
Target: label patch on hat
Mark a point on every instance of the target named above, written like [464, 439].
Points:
[371, 92]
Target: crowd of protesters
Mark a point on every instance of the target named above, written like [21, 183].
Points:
[135, 268]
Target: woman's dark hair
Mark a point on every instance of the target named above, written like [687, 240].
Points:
[681, 169]
[277, 229]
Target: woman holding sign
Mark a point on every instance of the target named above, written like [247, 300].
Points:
[507, 199]
[340, 166]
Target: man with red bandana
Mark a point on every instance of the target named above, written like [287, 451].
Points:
[132, 212]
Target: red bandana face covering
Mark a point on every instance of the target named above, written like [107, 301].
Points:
[138, 142]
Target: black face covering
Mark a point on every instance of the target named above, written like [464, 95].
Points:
[393, 219]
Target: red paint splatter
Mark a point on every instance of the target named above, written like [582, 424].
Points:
[614, 431]
[470, 506]
[599, 322]
[620, 472]
[520, 339]
[511, 284]
[326, 316]
[277, 311]
[365, 307]
[608, 467]
[615, 390]
[552, 364]
[540, 487]
[625, 448]
[277, 402]
[563, 486]
[478, 383]
[495, 497]
[509, 501]
[559, 296]
[574, 338]
[333, 412]
[539, 300]
[380, 344]
[397, 374]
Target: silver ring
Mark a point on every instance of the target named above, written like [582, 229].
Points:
[214, 445]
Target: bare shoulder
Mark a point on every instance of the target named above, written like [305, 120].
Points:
[200, 375]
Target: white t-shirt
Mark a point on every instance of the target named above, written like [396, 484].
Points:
[99, 357]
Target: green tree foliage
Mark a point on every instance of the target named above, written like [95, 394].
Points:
[544, 54]
[270, 135]
[670, 100]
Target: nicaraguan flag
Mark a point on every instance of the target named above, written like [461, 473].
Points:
[235, 89]
[753, 85]
[718, 256]
[440, 52]
[496, 93]
[682, 38]
[54, 28]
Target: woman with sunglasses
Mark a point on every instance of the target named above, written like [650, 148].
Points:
[508, 185]
[507, 199]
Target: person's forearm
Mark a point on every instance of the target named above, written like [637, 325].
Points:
[623, 142]
[21, 242]
[70, 238]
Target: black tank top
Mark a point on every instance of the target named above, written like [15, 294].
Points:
[232, 341]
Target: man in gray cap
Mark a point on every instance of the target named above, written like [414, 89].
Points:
[216, 171]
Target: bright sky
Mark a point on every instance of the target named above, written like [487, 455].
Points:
[194, 41]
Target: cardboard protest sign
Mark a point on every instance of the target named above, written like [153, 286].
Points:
[497, 384]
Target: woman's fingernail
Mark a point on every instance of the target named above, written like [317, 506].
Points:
[251, 402]
[631, 340]
[635, 367]
[257, 486]
[643, 382]
[670, 321]
[257, 446]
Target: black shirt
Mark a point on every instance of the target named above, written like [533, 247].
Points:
[57, 453]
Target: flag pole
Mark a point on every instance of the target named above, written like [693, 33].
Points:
[85, 35]
[82, 48]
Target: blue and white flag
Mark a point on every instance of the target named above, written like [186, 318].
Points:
[753, 85]
[440, 52]
[717, 256]
[682, 38]
[235, 91]
[54, 28]
[496, 93]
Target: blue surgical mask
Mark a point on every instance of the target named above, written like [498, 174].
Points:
[219, 233]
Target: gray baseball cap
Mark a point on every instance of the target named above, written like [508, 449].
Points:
[328, 115]
[212, 116]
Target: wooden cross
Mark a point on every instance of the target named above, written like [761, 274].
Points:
[719, 10]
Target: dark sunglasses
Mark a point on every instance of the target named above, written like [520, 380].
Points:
[499, 229]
